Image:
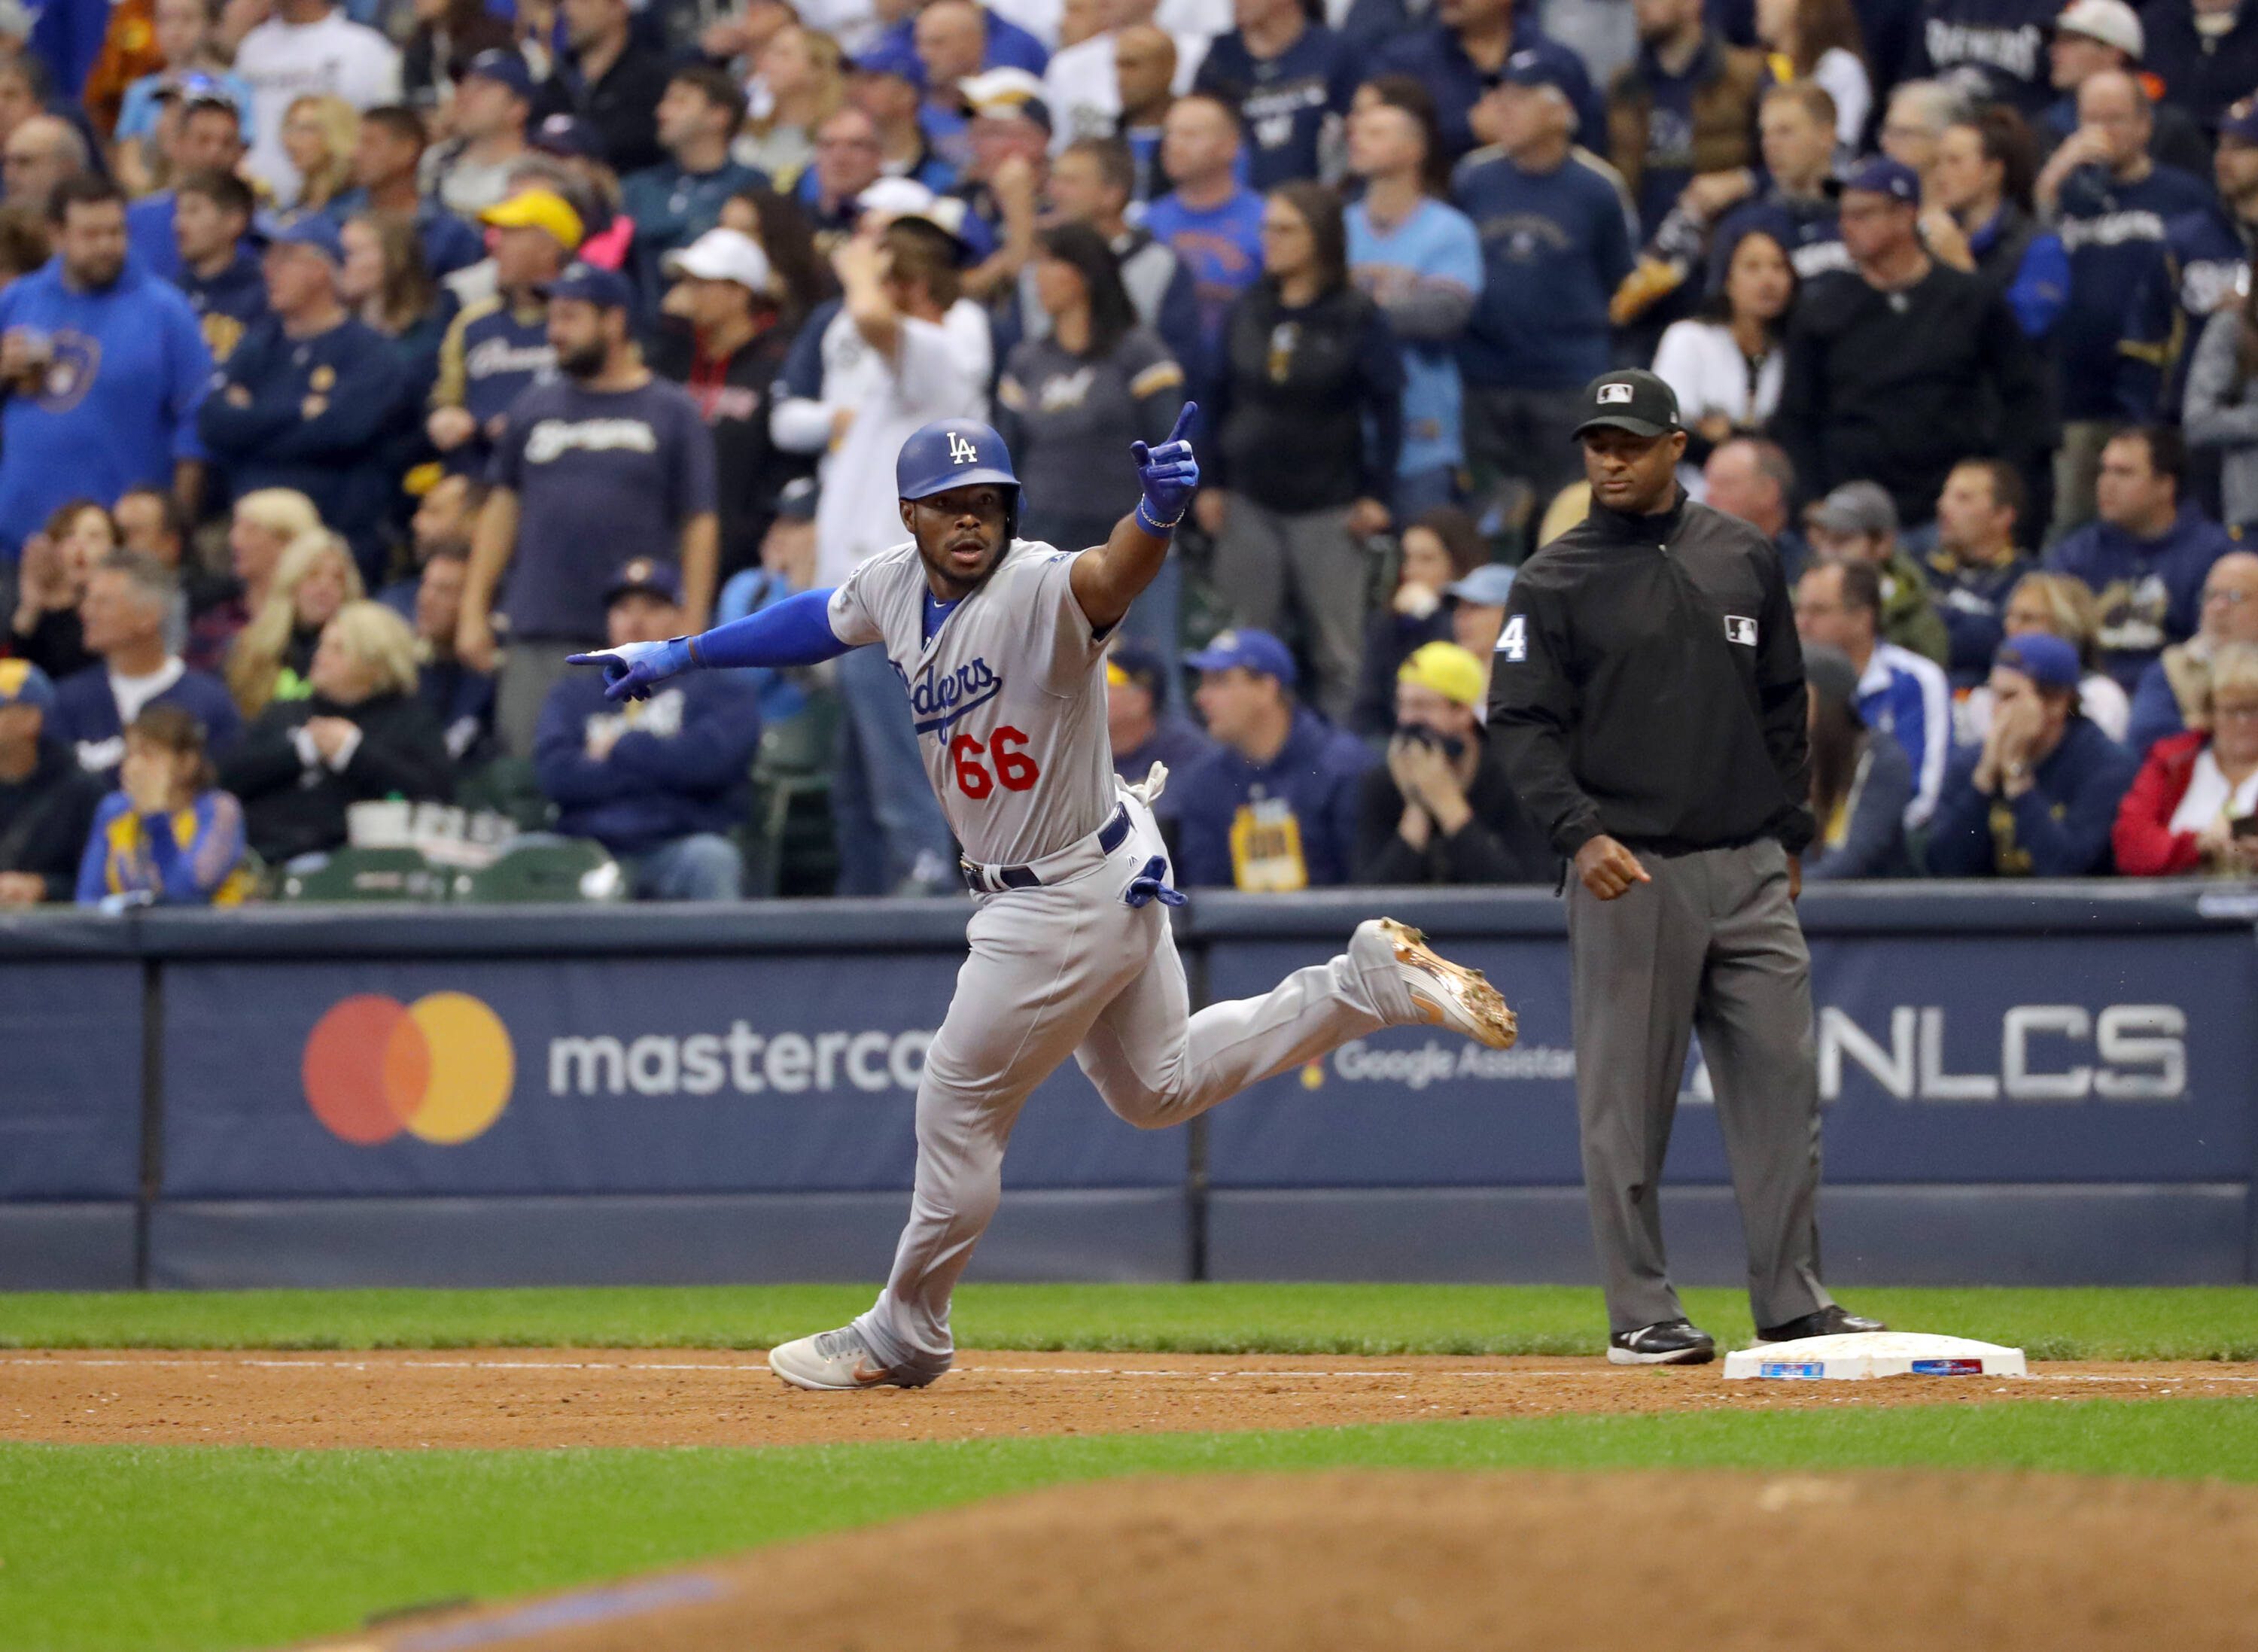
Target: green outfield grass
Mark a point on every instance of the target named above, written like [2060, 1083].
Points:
[131, 1549]
[2188, 1323]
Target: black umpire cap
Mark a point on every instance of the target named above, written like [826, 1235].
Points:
[1629, 400]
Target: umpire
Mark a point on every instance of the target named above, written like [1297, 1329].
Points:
[1647, 695]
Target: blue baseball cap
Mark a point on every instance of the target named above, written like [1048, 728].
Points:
[25, 684]
[1255, 651]
[1882, 176]
[504, 68]
[1486, 588]
[608, 289]
[2047, 661]
[2241, 123]
[567, 135]
[316, 230]
[1533, 68]
[894, 58]
[645, 574]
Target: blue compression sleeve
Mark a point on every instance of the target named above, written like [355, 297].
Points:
[795, 631]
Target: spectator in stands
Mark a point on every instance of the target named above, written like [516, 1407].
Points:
[1274, 807]
[303, 402]
[498, 348]
[1976, 562]
[1287, 78]
[461, 698]
[1856, 523]
[847, 163]
[1726, 362]
[491, 106]
[107, 368]
[1212, 220]
[726, 345]
[387, 166]
[2221, 410]
[445, 519]
[384, 286]
[802, 78]
[2174, 690]
[449, 35]
[787, 568]
[53, 569]
[1995, 49]
[22, 244]
[1007, 145]
[1861, 786]
[1084, 82]
[2039, 797]
[219, 274]
[1901, 373]
[1819, 43]
[2204, 52]
[1682, 117]
[2188, 807]
[194, 63]
[1459, 57]
[2109, 202]
[206, 139]
[1978, 217]
[1556, 242]
[1307, 402]
[1796, 207]
[272, 658]
[660, 783]
[47, 800]
[363, 734]
[318, 135]
[1141, 728]
[1146, 74]
[1838, 605]
[304, 43]
[2057, 606]
[148, 520]
[1420, 262]
[678, 200]
[1092, 182]
[964, 39]
[1918, 113]
[1478, 609]
[262, 527]
[2098, 37]
[778, 225]
[609, 79]
[569, 146]
[167, 836]
[602, 456]
[1440, 548]
[127, 599]
[891, 141]
[2207, 258]
[1751, 479]
[1440, 809]
[40, 154]
[1095, 382]
[2145, 556]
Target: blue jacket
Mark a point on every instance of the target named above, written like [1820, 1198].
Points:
[2114, 234]
[1868, 839]
[2205, 254]
[189, 858]
[1284, 102]
[1433, 57]
[1313, 782]
[119, 406]
[1972, 601]
[2150, 591]
[1010, 46]
[682, 766]
[2001, 44]
[85, 715]
[2058, 828]
[1903, 694]
[230, 304]
[1555, 245]
[1175, 740]
[2156, 713]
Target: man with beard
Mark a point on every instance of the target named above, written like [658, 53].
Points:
[603, 456]
[103, 368]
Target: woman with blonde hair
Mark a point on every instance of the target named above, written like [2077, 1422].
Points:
[2194, 806]
[800, 83]
[2058, 605]
[362, 732]
[319, 131]
[260, 530]
[271, 659]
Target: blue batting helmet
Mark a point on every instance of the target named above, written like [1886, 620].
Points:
[957, 453]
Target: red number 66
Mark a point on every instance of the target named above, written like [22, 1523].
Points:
[1013, 766]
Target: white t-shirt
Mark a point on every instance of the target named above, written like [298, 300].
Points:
[938, 370]
[1084, 95]
[2209, 798]
[285, 61]
[1701, 361]
[1845, 79]
[131, 693]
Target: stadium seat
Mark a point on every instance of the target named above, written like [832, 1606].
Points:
[542, 868]
[787, 842]
[361, 874]
[507, 786]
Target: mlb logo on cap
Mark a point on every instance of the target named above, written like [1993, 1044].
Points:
[1614, 392]
[1631, 400]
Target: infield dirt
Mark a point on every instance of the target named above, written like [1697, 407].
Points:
[505, 1398]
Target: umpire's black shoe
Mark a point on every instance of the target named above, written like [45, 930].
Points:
[1674, 1342]
[1831, 1320]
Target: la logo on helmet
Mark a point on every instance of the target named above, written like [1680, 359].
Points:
[960, 450]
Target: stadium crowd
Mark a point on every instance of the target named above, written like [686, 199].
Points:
[363, 362]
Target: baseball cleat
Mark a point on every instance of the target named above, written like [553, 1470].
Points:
[832, 1360]
[1834, 1320]
[1448, 995]
[1672, 1342]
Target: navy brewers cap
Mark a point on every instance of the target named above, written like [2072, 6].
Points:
[646, 574]
[567, 135]
[1630, 399]
[2241, 123]
[25, 684]
[316, 230]
[2047, 661]
[894, 59]
[1531, 69]
[608, 289]
[1246, 650]
[504, 68]
[1882, 176]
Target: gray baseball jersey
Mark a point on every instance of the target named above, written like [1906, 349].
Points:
[1008, 696]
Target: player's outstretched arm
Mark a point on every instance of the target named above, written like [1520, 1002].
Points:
[1106, 580]
[794, 631]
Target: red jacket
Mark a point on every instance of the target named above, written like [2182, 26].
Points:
[2146, 845]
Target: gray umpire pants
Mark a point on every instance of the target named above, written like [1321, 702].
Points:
[1711, 943]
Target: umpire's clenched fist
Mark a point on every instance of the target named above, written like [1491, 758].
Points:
[1607, 869]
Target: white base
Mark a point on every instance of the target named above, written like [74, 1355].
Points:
[1880, 1353]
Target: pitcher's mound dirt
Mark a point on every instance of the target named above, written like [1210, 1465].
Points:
[1839, 1562]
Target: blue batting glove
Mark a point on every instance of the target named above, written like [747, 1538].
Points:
[1169, 475]
[634, 669]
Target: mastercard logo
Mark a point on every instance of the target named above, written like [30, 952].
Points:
[440, 1069]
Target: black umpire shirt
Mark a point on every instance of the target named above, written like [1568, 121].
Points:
[1648, 684]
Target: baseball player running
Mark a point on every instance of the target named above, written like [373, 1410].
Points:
[1000, 644]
